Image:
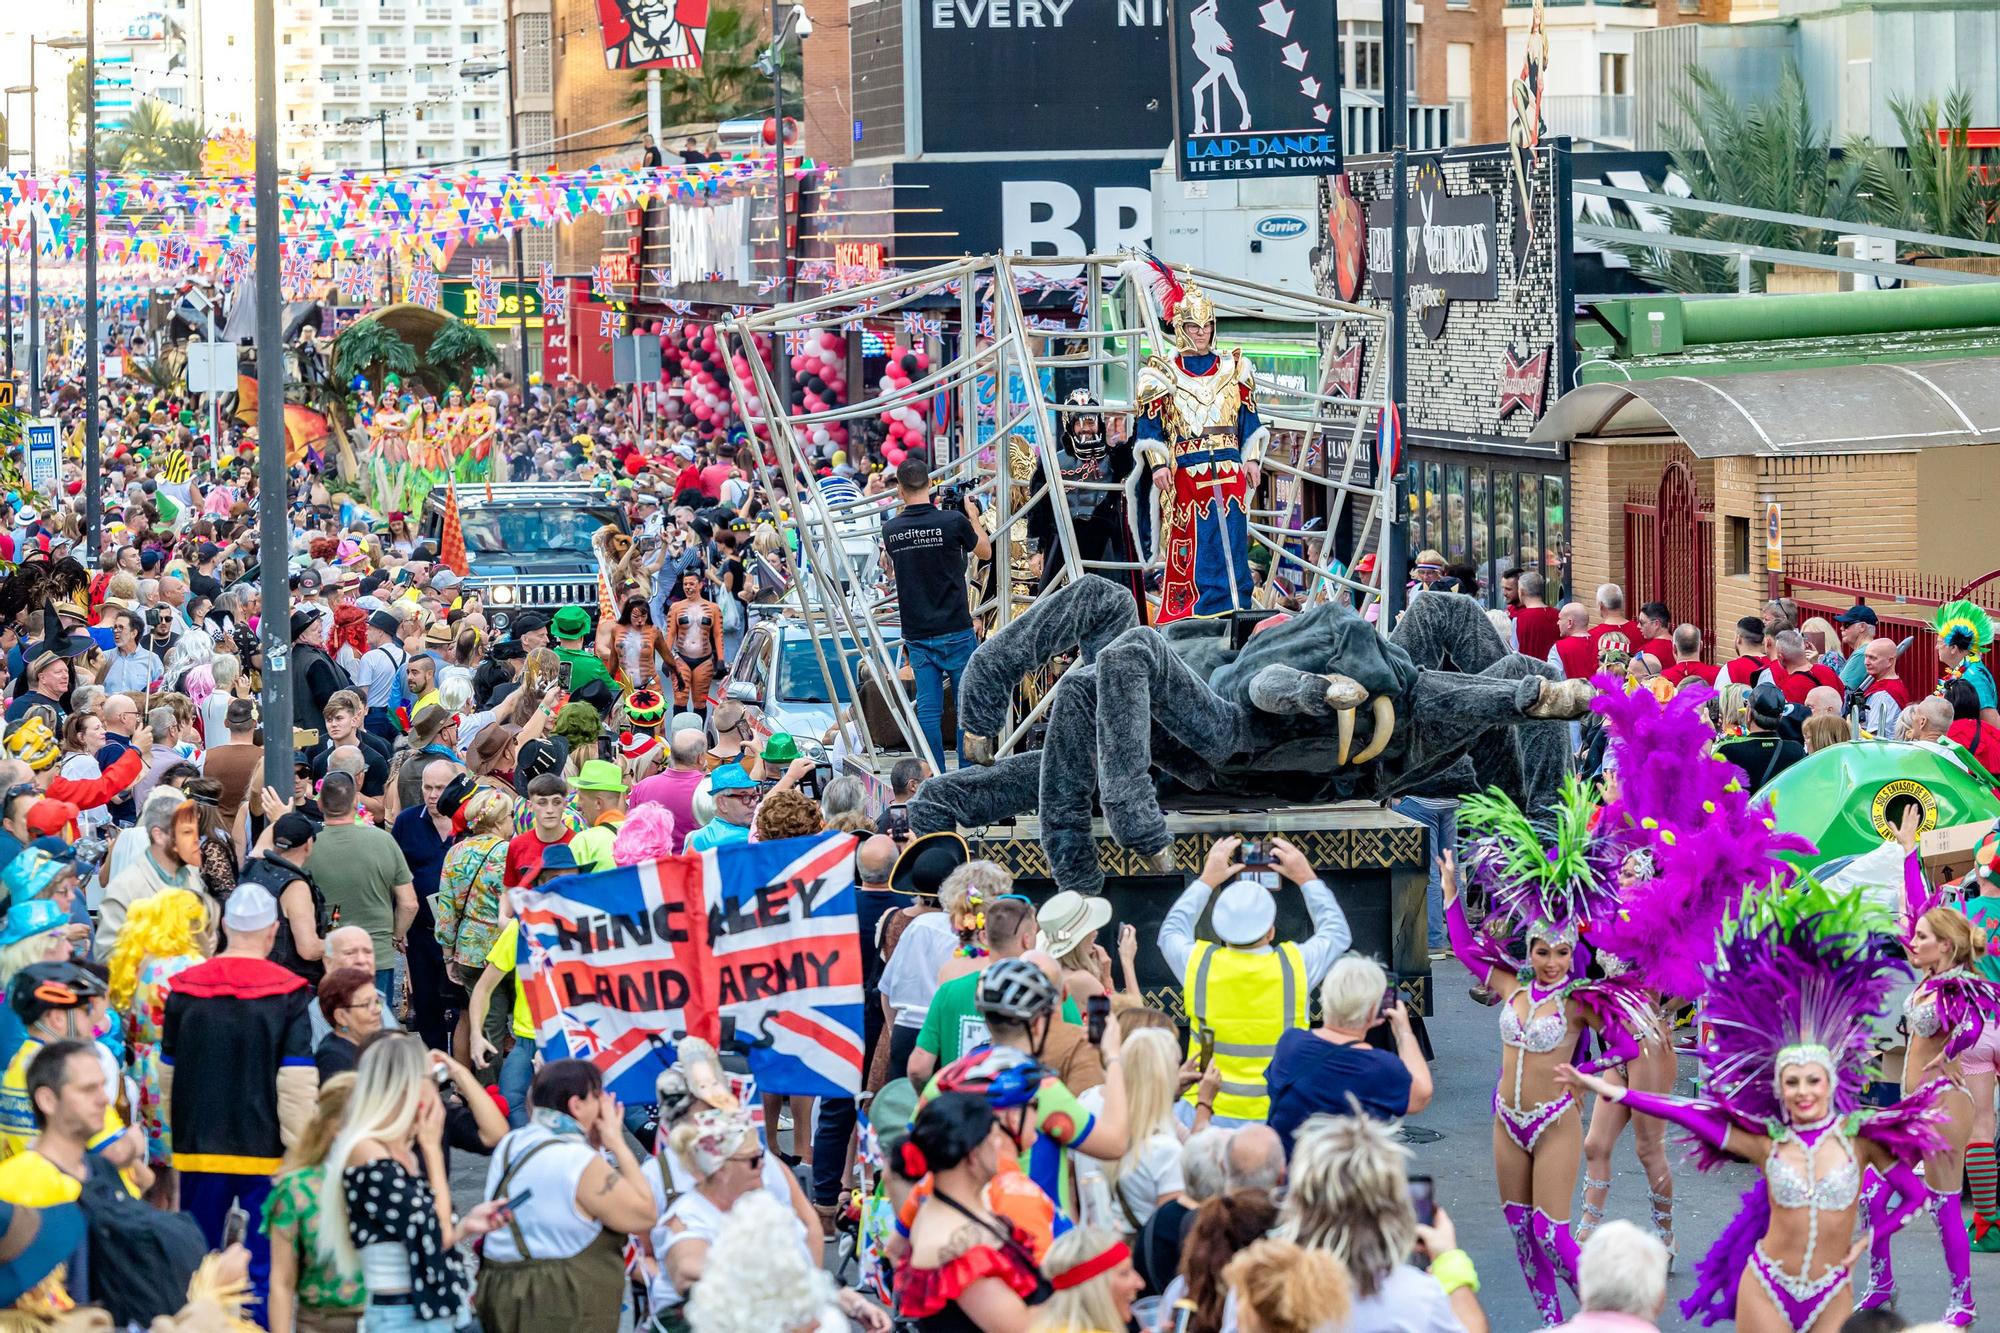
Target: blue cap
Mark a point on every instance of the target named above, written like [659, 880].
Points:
[36, 917]
[731, 777]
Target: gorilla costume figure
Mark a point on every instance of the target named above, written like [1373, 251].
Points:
[1313, 707]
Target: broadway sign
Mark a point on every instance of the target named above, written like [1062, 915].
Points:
[1256, 88]
[618, 966]
[1449, 256]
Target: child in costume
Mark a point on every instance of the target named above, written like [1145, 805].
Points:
[1801, 974]
[1549, 880]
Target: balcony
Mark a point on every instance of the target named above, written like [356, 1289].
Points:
[1366, 129]
[430, 14]
[480, 14]
[394, 53]
[1604, 117]
[392, 14]
[343, 92]
[438, 52]
[341, 14]
[337, 55]
[437, 129]
[390, 90]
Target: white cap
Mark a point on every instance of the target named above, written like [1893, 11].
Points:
[251, 907]
[1243, 912]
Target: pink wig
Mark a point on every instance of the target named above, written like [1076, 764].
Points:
[646, 835]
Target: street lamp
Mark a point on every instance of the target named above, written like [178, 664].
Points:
[12, 152]
[381, 120]
[34, 239]
[486, 69]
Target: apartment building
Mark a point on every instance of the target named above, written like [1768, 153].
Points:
[368, 82]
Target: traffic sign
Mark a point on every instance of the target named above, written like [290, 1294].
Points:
[6, 393]
[42, 451]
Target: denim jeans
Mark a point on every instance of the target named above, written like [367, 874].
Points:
[517, 1071]
[931, 660]
[1441, 818]
[403, 1319]
[385, 981]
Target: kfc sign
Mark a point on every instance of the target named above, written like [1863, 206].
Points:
[653, 34]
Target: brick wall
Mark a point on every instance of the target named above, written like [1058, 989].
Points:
[587, 95]
[1601, 475]
[829, 119]
[1478, 24]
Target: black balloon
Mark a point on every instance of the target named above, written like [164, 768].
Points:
[908, 363]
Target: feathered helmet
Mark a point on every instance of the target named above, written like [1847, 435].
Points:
[1802, 973]
[1966, 627]
[1550, 876]
[1182, 303]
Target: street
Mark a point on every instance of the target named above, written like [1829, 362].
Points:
[1466, 1039]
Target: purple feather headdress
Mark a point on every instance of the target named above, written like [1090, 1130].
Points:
[1546, 876]
[1801, 975]
[1690, 811]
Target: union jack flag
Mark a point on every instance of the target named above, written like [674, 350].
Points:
[357, 281]
[547, 286]
[425, 287]
[555, 306]
[663, 278]
[600, 280]
[607, 324]
[482, 271]
[618, 965]
[795, 342]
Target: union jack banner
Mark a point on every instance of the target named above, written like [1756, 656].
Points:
[618, 965]
[681, 307]
[425, 288]
[607, 324]
[357, 282]
[795, 342]
[489, 305]
[600, 280]
[547, 286]
[555, 307]
[663, 278]
[482, 271]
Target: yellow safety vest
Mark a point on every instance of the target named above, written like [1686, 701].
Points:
[1250, 999]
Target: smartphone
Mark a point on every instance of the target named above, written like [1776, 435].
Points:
[1253, 853]
[520, 1201]
[1097, 1010]
[1205, 1041]
[1423, 1198]
[562, 675]
[1390, 999]
[235, 1224]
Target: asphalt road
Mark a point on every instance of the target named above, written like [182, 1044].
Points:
[1466, 1041]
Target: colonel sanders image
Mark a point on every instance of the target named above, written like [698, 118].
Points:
[663, 33]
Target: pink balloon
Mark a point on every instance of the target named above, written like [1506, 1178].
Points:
[923, 361]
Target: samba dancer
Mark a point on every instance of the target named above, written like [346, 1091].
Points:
[1964, 635]
[1545, 1009]
[1801, 975]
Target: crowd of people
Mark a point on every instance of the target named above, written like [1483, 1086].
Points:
[248, 1025]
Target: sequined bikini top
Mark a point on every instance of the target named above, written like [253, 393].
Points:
[1836, 1190]
[1540, 1035]
[1921, 1012]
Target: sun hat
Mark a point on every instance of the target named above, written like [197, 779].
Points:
[731, 777]
[925, 861]
[37, 916]
[1243, 912]
[1067, 919]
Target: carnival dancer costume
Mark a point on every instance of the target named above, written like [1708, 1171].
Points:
[1197, 418]
[1801, 975]
[1946, 1017]
[1964, 634]
[1548, 880]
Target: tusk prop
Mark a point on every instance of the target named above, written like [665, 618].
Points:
[1384, 717]
[1346, 719]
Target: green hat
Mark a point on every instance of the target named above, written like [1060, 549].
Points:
[598, 775]
[780, 748]
[571, 622]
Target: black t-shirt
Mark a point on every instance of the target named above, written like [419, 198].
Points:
[205, 586]
[375, 752]
[928, 546]
[1754, 754]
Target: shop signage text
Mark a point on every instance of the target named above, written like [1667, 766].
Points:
[1448, 254]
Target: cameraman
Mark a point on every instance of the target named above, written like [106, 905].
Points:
[928, 546]
[1247, 990]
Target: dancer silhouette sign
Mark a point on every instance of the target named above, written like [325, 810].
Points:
[1256, 88]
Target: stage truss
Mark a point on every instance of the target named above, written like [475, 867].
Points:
[999, 386]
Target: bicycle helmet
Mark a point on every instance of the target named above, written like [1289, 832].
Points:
[40, 988]
[1002, 1075]
[1016, 990]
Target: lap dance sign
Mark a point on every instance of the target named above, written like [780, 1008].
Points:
[619, 965]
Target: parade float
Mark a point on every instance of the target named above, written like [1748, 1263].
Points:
[418, 404]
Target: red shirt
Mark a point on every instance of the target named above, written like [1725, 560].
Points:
[1680, 671]
[1536, 629]
[1796, 684]
[1987, 749]
[689, 479]
[1893, 687]
[524, 855]
[1619, 634]
[1661, 649]
[1578, 654]
[1744, 670]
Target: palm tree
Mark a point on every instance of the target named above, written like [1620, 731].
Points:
[1768, 155]
[154, 140]
[456, 350]
[1947, 186]
[728, 86]
[371, 349]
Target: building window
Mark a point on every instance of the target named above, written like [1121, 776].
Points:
[475, 37]
[1458, 89]
[1611, 72]
[1738, 551]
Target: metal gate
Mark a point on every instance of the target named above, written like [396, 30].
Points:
[1670, 550]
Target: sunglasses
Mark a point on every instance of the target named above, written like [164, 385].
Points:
[755, 1161]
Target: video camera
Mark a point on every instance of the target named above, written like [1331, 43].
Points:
[950, 497]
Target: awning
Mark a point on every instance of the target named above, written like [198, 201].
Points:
[1881, 407]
